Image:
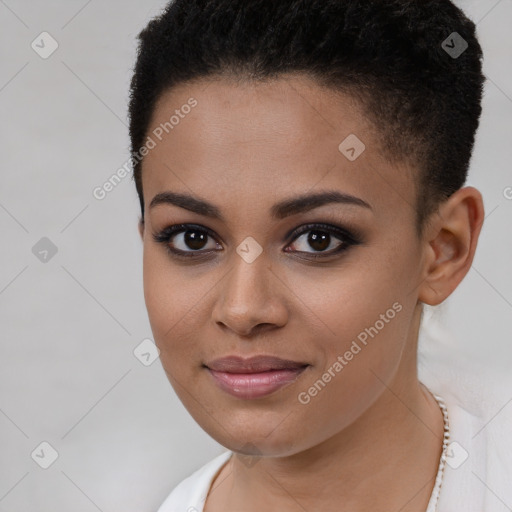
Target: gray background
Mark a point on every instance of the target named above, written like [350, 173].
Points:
[68, 327]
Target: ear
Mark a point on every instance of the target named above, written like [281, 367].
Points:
[141, 228]
[450, 244]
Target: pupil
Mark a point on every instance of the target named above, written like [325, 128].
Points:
[318, 239]
[195, 239]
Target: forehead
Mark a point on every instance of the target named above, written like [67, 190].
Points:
[268, 140]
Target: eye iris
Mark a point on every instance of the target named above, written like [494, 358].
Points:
[195, 239]
[318, 239]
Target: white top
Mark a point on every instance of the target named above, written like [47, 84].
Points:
[478, 468]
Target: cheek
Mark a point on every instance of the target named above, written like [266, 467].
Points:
[361, 335]
[359, 300]
[359, 364]
[169, 299]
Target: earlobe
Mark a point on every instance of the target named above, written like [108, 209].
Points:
[452, 244]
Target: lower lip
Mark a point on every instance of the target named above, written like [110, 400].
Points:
[255, 385]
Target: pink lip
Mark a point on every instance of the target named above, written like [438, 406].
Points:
[254, 377]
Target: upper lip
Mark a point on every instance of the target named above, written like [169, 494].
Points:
[261, 363]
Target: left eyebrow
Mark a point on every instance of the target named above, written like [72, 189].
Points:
[286, 208]
[308, 202]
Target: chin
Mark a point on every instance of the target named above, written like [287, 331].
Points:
[257, 442]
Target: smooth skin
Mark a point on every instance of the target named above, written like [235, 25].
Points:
[371, 438]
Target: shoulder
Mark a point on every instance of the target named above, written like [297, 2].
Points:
[190, 494]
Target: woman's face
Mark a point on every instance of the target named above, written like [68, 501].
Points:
[255, 279]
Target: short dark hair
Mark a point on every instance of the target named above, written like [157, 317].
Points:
[393, 56]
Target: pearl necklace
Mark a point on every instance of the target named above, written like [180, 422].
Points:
[434, 498]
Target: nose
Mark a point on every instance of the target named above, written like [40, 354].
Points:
[251, 298]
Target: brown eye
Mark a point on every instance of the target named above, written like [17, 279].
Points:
[319, 240]
[323, 239]
[185, 240]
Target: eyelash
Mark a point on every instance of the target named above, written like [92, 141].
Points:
[348, 239]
